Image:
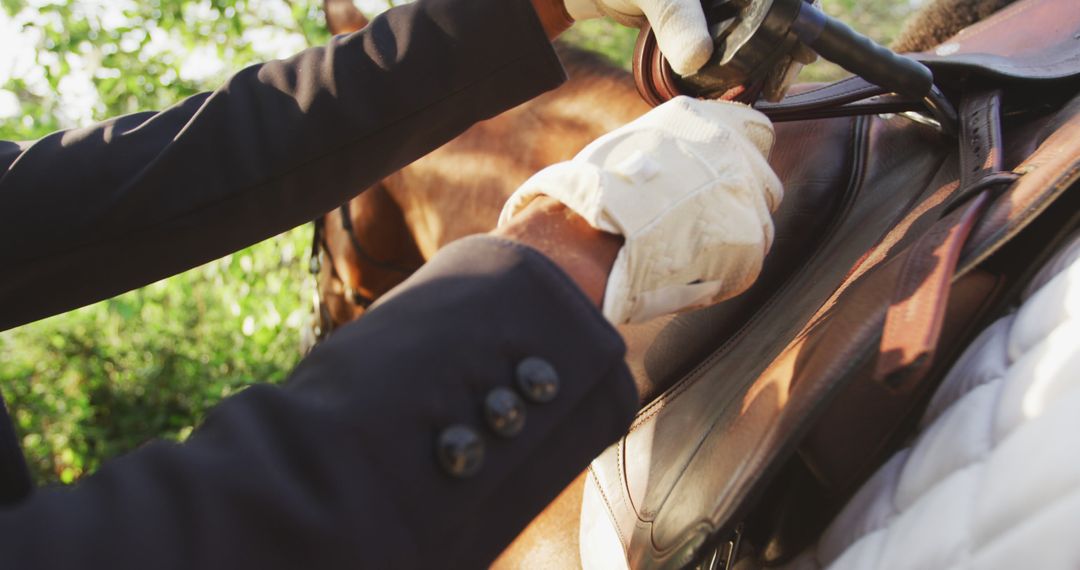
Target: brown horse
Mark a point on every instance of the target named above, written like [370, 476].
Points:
[459, 189]
[374, 241]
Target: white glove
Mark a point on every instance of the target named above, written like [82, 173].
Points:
[679, 26]
[689, 188]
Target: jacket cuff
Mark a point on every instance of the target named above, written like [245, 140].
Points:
[440, 343]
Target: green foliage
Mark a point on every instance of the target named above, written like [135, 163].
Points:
[138, 55]
[613, 41]
[101, 380]
[879, 20]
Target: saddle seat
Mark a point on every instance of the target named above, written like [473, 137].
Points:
[782, 379]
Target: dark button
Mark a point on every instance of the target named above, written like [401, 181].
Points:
[537, 379]
[460, 450]
[505, 412]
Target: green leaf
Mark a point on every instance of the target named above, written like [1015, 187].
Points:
[12, 7]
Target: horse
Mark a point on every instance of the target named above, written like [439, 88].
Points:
[378, 238]
[374, 241]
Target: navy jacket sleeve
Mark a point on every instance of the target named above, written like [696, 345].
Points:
[338, 469]
[89, 213]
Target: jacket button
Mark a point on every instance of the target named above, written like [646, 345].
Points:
[537, 380]
[505, 412]
[460, 450]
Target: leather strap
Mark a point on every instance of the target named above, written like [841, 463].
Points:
[852, 96]
[361, 252]
[846, 97]
[980, 137]
[876, 105]
[656, 82]
[914, 319]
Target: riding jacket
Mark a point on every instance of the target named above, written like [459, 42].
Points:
[383, 449]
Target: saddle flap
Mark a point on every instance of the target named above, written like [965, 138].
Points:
[1030, 40]
[823, 160]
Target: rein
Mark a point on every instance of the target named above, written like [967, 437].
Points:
[347, 225]
[320, 254]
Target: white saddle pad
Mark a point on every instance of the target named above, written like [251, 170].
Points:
[993, 478]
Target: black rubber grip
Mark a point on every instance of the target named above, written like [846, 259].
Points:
[836, 42]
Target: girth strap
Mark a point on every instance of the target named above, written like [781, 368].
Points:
[914, 319]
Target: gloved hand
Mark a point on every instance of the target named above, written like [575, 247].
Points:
[679, 26]
[688, 187]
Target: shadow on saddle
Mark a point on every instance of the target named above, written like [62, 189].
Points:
[894, 244]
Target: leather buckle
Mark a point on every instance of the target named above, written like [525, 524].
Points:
[726, 554]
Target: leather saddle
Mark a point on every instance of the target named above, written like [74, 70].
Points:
[894, 243]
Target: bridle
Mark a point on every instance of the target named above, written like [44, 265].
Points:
[323, 324]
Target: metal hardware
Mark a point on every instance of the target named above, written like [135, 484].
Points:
[759, 46]
[726, 554]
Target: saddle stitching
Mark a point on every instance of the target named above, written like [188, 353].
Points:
[610, 510]
[1017, 64]
[624, 475]
[1012, 12]
[977, 144]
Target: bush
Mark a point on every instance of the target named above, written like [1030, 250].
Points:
[101, 380]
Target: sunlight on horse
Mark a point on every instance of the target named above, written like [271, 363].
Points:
[459, 189]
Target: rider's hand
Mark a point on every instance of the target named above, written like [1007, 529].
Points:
[584, 253]
[679, 25]
[688, 187]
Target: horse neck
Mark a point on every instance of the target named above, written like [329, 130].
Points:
[459, 189]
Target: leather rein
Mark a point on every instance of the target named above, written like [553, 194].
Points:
[320, 253]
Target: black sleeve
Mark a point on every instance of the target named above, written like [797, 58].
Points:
[89, 213]
[338, 469]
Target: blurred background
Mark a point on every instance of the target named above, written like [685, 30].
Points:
[101, 380]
